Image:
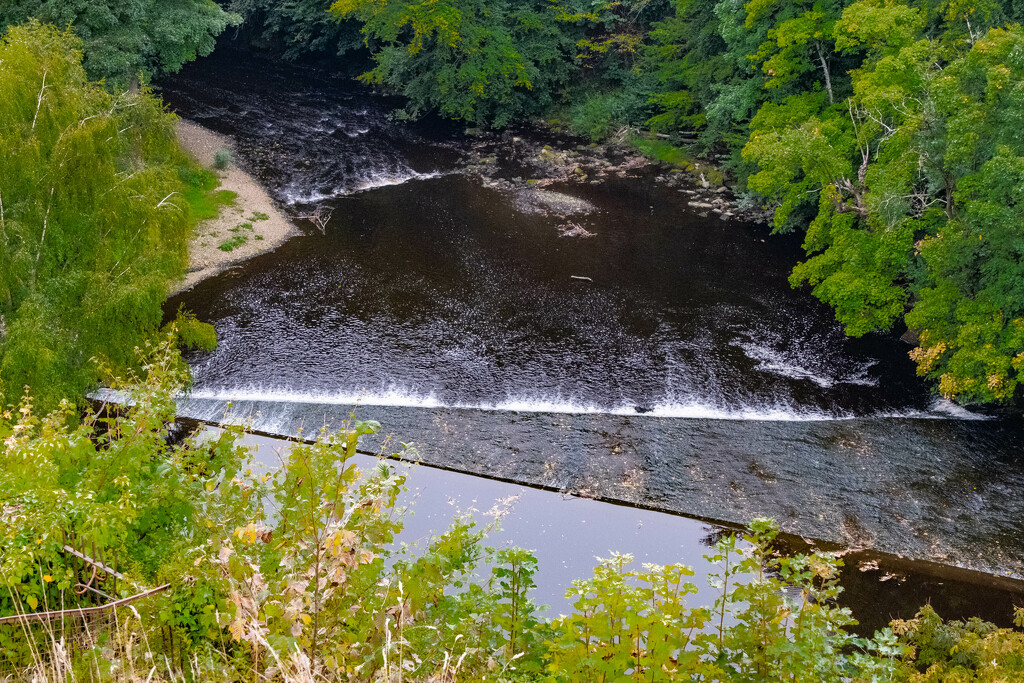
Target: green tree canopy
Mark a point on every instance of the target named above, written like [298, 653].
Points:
[120, 38]
[92, 227]
[481, 61]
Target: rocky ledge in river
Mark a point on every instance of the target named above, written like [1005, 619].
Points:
[524, 167]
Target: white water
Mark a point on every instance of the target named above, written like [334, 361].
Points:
[395, 396]
[787, 363]
[306, 195]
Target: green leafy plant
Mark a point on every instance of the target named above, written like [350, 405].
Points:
[233, 243]
[124, 37]
[222, 159]
[98, 201]
[189, 333]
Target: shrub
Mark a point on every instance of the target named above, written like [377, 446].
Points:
[298, 574]
[222, 159]
[190, 333]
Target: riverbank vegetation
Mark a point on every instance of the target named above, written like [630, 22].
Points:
[884, 130]
[298, 572]
[96, 206]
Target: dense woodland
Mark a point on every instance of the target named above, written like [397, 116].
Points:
[887, 132]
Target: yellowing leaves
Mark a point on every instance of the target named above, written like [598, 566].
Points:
[252, 532]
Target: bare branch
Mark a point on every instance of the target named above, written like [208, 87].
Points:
[39, 102]
[320, 217]
[164, 202]
[3, 223]
[45, 219]
[824, 69]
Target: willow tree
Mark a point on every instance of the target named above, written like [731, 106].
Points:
[91, 225]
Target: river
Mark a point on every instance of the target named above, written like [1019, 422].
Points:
[684, 374]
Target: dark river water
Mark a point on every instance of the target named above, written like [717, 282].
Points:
[685, 375]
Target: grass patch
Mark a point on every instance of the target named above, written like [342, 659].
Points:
[668, 153]
[665, 152]
[233, 243]
[201, 193]
[259, 216]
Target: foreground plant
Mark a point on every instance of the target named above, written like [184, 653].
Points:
[298, 573]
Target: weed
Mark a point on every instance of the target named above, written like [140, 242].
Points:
[233, 243]
[222, 159]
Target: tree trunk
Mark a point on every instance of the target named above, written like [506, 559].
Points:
[828, 75]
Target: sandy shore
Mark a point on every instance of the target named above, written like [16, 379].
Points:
[253, 215]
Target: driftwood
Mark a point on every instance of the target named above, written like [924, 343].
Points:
[320, 217]
[82, 611]
[98, 566]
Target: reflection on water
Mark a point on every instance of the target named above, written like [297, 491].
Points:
[684, 374]
[568, 534]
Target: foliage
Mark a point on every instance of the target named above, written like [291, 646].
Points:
[297, 573]
[483, 62]
[92, 224]
[914, 176]
[222, 159]
[189, 333]
[971, 650]
[120, 38]
[298, 28]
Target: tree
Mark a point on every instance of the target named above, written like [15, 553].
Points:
[120, 38]
[298, 27]
[916, 176]
[971, 308]
[92, 225]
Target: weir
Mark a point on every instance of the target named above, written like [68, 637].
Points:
[826, 479]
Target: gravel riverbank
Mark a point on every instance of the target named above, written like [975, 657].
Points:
[251, 225]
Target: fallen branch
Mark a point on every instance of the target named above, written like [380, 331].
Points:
[320, 217]
[80, 612]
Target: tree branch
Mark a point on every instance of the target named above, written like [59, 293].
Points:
[39, 102]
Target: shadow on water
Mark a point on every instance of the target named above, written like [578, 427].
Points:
[685, 375]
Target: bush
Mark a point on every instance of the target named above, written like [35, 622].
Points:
[298, 574]
[222, 159]
[188, 333]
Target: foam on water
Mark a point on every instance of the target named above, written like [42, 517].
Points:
[784, 364]
[293, 196]
[387, 396]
